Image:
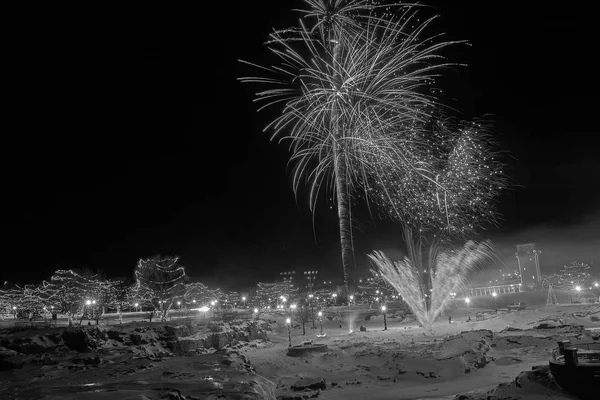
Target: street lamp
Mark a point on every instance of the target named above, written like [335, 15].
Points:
[244, 301]
[136, 305]
[15, 311]
[383, 308]
[288, 321]
[468, 301]
[495, 296]
[321, 323]
[312, 310]
[578, 290]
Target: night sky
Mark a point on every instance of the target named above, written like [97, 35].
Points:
[125, 134]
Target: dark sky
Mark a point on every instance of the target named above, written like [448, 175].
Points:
[126, 134]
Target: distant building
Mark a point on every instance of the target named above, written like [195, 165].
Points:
[529, 265]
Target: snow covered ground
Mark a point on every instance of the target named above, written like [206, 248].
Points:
[143, 361]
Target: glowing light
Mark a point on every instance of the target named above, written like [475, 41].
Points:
[256, 311]
[467, 300]
[383, 308]
[204, 309]
[494, 294]
[288, 321]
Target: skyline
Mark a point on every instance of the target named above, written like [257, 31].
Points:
[112, 143]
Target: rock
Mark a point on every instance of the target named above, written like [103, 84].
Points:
[10, 359]
[137, 339]
[310, 383]
[549, 325]
[226, 360]
[78, 339]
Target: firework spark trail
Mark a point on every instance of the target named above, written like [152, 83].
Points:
[460, 196]
[450, 271]
[377, 84]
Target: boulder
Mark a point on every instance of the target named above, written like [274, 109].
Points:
[10, 359]
[310, 383]
[78, 339]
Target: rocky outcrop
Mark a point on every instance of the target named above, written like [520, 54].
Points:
[222, 375]
[152, 340]
[469, 347]
[10, 359]
[219, 336]
[537, 383]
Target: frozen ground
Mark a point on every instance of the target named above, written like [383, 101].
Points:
[403, 363]
[494, 355]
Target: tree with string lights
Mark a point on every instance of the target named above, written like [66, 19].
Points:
[159, 282]
[197, 293]
[355, 83]
[68, 290]
[118, 294]
[572, 275]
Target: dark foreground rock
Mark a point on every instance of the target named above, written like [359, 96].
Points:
[535, 384]
[157, 340]
[310, 383]
[197, 377]
[10, 359]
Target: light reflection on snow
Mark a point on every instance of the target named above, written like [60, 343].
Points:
[215, 384]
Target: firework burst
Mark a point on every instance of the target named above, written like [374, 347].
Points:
[353, 84]
[450, 270]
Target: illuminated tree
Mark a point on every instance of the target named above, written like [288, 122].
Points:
[68, 290]
[354, 83]
[200, 293]
[160, 281]
[119, 294]
[574, 274]
[11, 298]
[270, 293]
[231, 298]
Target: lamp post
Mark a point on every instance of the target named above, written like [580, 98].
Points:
[256, 312]
[383, 308]
[321, 322]
[468, 301]
[288, 321]
[312, 310]
[244, 301]
[15, 312]
[495, 296]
